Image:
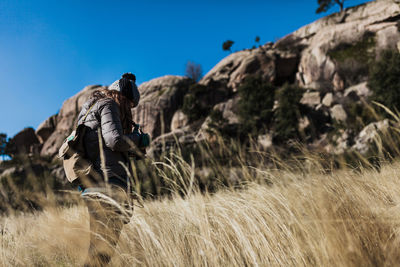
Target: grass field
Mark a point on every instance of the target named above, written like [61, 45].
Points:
[344, 218]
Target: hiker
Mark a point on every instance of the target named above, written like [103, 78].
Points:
[107, 114]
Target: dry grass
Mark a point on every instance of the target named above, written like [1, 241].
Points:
[342, 219]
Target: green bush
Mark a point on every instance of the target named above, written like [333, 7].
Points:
[217, 120]
[384, 80]
[255, 105]
[199, 99]
[353, 60]
[218, 124]
[3, 145]
[288, 113]
[193, 106]
[359, 115]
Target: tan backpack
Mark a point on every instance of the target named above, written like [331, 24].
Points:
[73, 155]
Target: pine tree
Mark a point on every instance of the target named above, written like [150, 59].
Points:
[226, 46]
[3, 144]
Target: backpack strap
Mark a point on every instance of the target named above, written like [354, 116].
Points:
[87, 112]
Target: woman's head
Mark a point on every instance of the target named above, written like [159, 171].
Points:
[127, 86]
[124, 105]
[125, 93]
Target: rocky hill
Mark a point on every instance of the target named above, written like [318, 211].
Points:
[326, 58]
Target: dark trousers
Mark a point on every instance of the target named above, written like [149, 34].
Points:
[106, 222]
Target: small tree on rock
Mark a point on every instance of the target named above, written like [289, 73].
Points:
[194, 71]
[226, 46]
[3, 145]
[324, 5]
[257, 40]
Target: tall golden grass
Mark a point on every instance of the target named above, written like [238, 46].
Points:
[344, 218]
[300, 211]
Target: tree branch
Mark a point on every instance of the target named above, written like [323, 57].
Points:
[341, 4]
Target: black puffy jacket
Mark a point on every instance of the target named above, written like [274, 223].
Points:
[105, 114]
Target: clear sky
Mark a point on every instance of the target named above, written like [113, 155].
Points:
[50, 50]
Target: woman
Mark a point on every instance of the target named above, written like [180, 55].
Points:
[108, 139]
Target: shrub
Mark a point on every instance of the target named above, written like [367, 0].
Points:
[384, 80]
[288, 113]
[218, 124]
[199, 99]
[255, 105]
[353, 60]
[217, 120]
[3, 145]
[359, 115]
[194, 71]
[193, 106]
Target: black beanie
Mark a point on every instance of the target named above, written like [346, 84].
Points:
[126, 88]
[129, 76]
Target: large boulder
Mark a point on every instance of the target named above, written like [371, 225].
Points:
[66, 120]
[318, 68]
[160, 99]
[360, 90]
[274, 66]
[328, 100]
[22, 142]
[46, 128]
[338, 113]
[179, 120]
[311, 99]
[369, 135]
[322, 57]
[182, 136]
[228, 111]
[224, 71]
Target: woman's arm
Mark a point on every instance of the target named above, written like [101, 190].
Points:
[111, 128]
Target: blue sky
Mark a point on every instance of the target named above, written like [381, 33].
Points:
[50, 50]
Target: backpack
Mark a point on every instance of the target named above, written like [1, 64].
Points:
[73, 155]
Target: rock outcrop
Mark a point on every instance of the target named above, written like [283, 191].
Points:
[275, 66]
[179, 120]
[46, 128]
[66, 120]
[228, 111]
[23, 141]
[370, 135]
[183, 136]
[322, 57]
[318, 69]
[160, 99]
